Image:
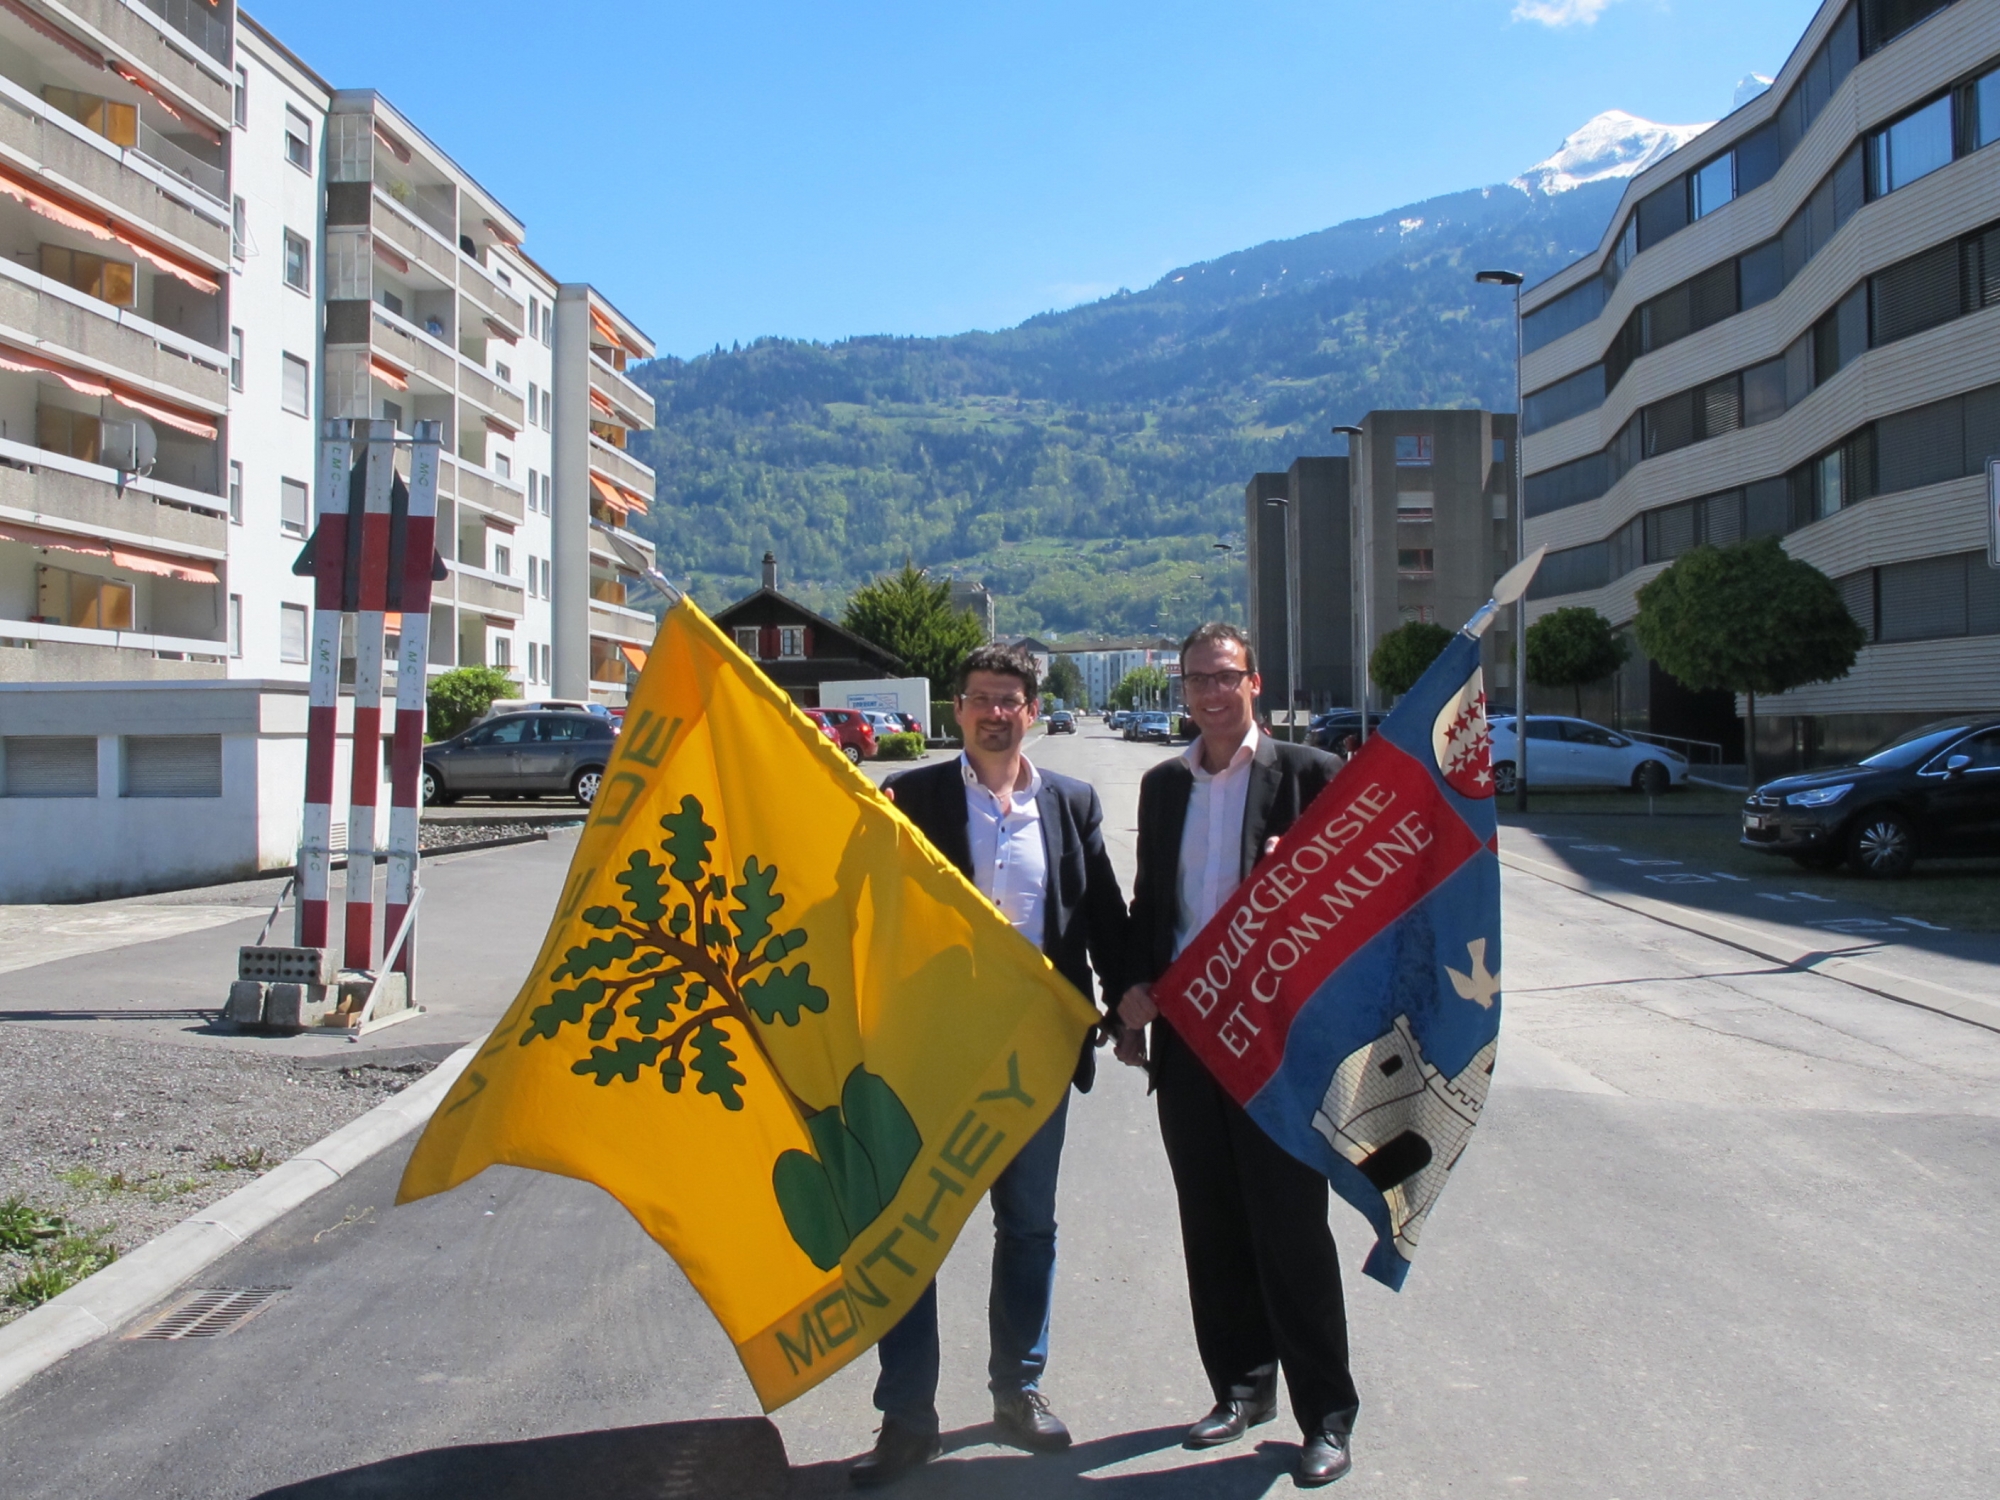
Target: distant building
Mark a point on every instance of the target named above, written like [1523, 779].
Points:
[1105, 664]
[798, 648]
[974, 599]
[1436, 528]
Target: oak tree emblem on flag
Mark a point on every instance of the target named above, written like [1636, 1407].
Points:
[688, 963]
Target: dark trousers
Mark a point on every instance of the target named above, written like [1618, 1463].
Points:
[1263, 1274]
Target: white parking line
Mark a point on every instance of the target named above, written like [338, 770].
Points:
[1809, 896]
[1628, 860]
[1684, 877]
[1920, 922]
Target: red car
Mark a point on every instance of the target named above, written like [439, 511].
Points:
[850, 730]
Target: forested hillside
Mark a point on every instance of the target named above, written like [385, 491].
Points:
[1083, 463]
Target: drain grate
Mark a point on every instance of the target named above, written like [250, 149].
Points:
[210, 1313]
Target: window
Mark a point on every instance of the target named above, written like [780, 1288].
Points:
[1985, 102]
[503, 561]
[1416, 505]
[48, 765]
[298, 139]
[235, 625]
[503, 465]
[746, 639]
[500, 273]
[792, 642]
[291, 632]
[503, 652]
[1713, 185]
[113, 281]
[548, 324]
[239, 230]
[534, 315]
[295, 396]
[534, 403]
[534, 491]
[242, 98]
[390, 300]
[1915, 146]
[1416, 561]
[1574, 309]
[1413, 449]
[292, 507]
[82, 601]
[298, 262]
[1569, 397]
[236, 359]
[548, 494]
[505, 374]
[172, 765]
[236, 491]
[548, 411]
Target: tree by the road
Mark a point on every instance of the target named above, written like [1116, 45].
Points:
[1405, 654]
[911, 617]
[1747, 619]
[1572, 647]
[1066, 682]
[455, 698]
[1142, 686]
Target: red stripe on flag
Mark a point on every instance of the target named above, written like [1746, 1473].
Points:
[1378, 840]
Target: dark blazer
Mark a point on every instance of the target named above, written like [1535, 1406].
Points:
[1083, 910]
[1284, 778]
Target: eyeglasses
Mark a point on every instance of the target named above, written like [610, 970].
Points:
[1201, 682]
[982, 702]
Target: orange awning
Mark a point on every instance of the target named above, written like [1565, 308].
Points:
[396, 148]
[395, 261]
[382, 370]
[494, 424]
[503, 234]
[136, 559]
[61, 209]
[598, 400]
[498, 331]
[201, 427]
[86, 383]
[608, 493]
[636, 655]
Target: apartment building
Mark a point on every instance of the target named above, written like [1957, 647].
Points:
[211, 252]
[1415, 523]
[1104, 664]
[1792, 329]
[115, 135]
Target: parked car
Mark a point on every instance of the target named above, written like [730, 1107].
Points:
[520, 754]
[882, 723]
[1577, 753]
[544, 705]
[1152, 724]
[1933, 791]
[1062, 721]
[1331, 728]
[853, 731]
[1118, 718]
[910, 723]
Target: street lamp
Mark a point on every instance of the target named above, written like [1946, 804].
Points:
[1361, 542]
[1291, 616]
[1513, 279]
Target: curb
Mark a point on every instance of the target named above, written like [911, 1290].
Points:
[1860, 973]
[100, 1304]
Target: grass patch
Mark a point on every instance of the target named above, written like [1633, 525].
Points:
[253, 1160]
[23, 1226]
[57, 1265]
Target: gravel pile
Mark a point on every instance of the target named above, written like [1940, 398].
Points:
[446, 835]
[130, 1138]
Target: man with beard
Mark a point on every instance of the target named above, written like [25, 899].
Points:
[1030, 840]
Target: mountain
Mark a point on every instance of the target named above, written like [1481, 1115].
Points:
[1084, 463]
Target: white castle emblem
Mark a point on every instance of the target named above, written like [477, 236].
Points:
[1402, 1122]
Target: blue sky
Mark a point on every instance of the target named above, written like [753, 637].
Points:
[772, 167]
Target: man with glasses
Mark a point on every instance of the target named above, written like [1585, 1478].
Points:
[1030, 840]
[1263, 1277]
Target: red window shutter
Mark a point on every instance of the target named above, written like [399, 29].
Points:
[767, 643]
[806, 636]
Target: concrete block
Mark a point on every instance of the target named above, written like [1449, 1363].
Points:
[246, 1003]
[293, 1007]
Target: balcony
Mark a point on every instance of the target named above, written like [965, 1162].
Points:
[394, 340]
[494, 397]
[488, 593]
[619, 467]
[40, 487]
[488, 493]
[490, 297]
[621, 624]
[41, 315]
[399, 229]
[138, 35]
[634, 406]
[618, 554]
[72, 156]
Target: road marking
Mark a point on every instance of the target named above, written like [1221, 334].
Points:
[1682, 877]
[1773, 896]
[1628, 860]
[1852, 924]
[1725, 875]
[1809, 896]
[1919, 922]
[1596, 848]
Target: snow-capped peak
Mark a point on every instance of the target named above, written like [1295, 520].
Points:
[1614, 144]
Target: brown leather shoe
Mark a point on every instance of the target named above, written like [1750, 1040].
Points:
[897, 1451]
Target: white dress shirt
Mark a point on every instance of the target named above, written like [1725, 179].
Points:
[1009, 864]
[1212, 838]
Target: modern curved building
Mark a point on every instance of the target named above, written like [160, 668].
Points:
[1792, 328]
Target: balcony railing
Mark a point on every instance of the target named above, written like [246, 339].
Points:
[183, 164]
[199, 21]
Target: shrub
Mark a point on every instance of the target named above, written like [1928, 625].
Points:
[60, 1264]
[461, 695]
[907, 745]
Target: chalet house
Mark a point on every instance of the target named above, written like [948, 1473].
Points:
[797, 648]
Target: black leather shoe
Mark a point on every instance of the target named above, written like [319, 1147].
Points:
[1245, 1406]
[1326, 1454]
[1025, 1420]
[897, 1451]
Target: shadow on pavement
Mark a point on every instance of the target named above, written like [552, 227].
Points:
[740, 1458]
[1009, 1475]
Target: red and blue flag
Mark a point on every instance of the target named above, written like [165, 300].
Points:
[1348, 994]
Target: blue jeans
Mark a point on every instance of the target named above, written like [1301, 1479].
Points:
[1017, 1309]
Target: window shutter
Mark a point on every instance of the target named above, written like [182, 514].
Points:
[1919, 293]
[767, 643]
[173, 765]
[1923, 599]
[50, 765]
[806, 641]
[1857, 592]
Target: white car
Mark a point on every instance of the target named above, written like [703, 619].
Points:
[1575, 752]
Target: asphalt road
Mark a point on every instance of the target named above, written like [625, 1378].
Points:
[1726, 1229]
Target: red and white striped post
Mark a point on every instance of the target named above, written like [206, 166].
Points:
[372, 602]
[336, 460]
[411, 593]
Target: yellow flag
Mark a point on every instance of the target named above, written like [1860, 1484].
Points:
[770, 1020]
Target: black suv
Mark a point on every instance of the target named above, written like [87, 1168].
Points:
[1933, 791]
[521, 754]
